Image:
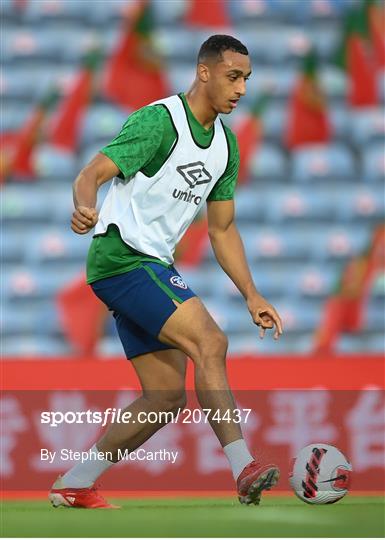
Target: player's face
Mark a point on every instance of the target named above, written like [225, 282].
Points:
[227, 81]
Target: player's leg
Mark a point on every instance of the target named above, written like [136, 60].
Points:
[192, 329]
[162, 377]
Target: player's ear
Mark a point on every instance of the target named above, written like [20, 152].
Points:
[203, 72]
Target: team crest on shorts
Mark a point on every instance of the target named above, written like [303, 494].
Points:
[177, 281]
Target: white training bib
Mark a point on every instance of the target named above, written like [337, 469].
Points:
[153, 213]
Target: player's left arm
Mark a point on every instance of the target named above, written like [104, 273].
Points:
[229, 251]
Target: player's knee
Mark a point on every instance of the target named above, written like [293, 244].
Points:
[175, 401]
[213, 349]
[169, 401]
[216, 345]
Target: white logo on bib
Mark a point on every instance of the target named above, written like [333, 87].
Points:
[177, 281]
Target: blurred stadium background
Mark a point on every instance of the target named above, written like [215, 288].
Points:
[310, 201]
[310, 208]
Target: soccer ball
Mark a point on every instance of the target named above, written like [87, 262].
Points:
[320, 474]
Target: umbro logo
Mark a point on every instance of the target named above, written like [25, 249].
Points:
[194, 173]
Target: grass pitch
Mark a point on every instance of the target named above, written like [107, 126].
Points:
[199, 517]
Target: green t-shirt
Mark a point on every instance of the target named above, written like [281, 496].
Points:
[144, 144]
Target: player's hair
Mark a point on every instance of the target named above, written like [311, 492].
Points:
[215, 46]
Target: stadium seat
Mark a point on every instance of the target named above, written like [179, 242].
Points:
[273, 243]
[375, 343]
[375, 315]
[287, 344]
[24, 205]
[178, 45]
[12, 246]
[204, 284]
[53, 245]
[338, 243]
[44, 44]
[318, 281]
[168, 13]
[339, 117]
[367, 125]
[60, 214]
[110, 346]
[360, 204]
[333, 81]
[231, 318]
[292, 205]
[79, 43]
[14, 115]
[36, 283]
[272, 279]
[87, 154]
[274, 119]
[351, 343]
[373, 162]
[325, 35]
[299, 316]
[7, 8]
[250, 204]
[104, 14]
[180, 76]
[40, 319]
[321, 162]
[27, 345]
[31, 82]
[101, 124]
[41, 12]
[279, 79]
[274, 43]
[55, 164]
[252, 12]
[269, 162]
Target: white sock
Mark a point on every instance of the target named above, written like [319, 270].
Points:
[84, 474]
[238, 455]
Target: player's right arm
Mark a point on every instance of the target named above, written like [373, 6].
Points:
[98, 171]
[129, 152]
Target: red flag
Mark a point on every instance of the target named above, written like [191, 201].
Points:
[330, 326]
[362, 90]
[134, 75]
[249, 135]
[207, 13]
[82, 315]
[376, 23]
[345, 310]
[192, 248]
[17, 147]
[308, 121]
[65, 126]
[7, 143]
[21, 162]
[354, 55]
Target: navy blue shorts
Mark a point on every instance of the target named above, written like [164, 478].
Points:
[141, 301]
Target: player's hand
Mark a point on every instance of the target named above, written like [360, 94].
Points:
[84, 219]
[264, 316]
